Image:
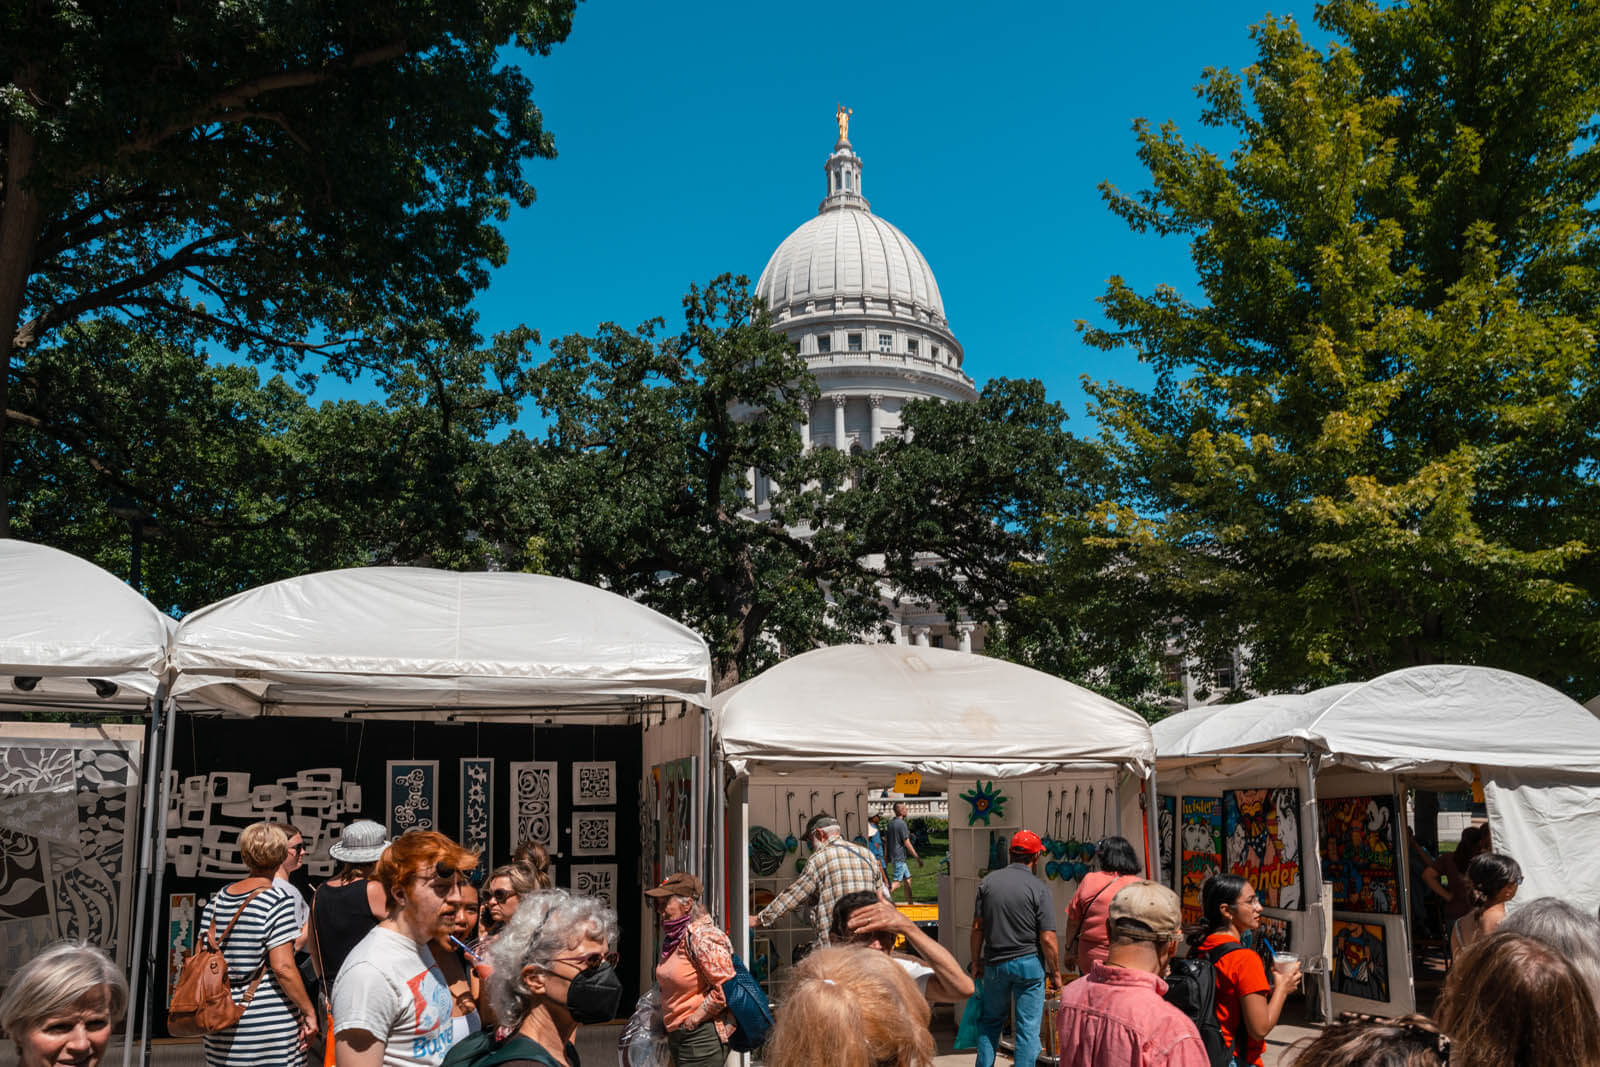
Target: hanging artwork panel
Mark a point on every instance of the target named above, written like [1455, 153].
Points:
[1202, 850]
[594, 833]
[1261, 831]
[180, 936]
[1358, 853]
[68, 820]
[1360, 960]
[1167, 837]
[596, 880]
[594, 783]
[1273, 931]
[676, 797]
[477, 812]
[413, 795]
[205, 813]
[534, 804]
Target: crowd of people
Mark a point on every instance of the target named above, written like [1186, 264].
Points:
[411, 965]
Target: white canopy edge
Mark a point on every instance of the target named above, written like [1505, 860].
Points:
[936, 711]
[407, 639]
[64, 620]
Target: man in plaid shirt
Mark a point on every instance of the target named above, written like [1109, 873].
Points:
[836, 867]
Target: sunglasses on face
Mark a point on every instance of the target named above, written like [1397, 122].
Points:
[590, 961]
[500, 896]
[301, 847]
[444, 875]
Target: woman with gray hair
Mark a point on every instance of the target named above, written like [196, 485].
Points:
[1571, 931]
[61, 1005]
[554, 969]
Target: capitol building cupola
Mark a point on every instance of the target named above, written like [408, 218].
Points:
[861, 302]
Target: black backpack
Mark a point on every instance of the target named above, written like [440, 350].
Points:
[1192, 989]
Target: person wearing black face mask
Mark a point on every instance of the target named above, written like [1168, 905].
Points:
[553, 970]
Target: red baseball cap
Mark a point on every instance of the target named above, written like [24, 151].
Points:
[1026, 841]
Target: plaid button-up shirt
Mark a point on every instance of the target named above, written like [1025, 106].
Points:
[837, 868]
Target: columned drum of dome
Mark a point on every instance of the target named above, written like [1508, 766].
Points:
[859, 299]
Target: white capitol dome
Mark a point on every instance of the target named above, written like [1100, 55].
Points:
[862, 304]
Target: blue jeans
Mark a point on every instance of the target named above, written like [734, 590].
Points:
[1022, 978]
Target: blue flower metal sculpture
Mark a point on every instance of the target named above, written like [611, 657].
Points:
[986, 801]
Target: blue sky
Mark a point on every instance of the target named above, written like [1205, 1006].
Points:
[691, 139]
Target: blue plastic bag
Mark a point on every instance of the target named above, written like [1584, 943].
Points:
[967, 1032]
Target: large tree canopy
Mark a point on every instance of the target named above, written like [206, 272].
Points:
[645, 487]
[276, 178]
[1372, 441]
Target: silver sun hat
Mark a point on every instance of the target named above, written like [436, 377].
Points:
[361, 842]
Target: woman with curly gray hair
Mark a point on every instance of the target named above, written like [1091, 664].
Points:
[60, 1006]
[554, 968]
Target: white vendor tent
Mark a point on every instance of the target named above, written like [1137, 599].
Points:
[1535, 752]
[75, 638]
[64, 621]
[433, 644]
[937, 711]
[823, 729]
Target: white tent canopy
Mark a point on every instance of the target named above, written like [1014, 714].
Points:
[936, 711]
[1418, 719]
[64, 620]
[433, 644]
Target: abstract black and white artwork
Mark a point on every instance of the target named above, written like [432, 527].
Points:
[596, 880]
[594, 833]
[533, 803]
[207, 811]
[594, 783]
[477, 810]
[68, 815]
[413, 795]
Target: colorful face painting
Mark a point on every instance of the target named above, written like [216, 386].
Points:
[1262, 828]
[1358, 853]
[1202, 850]
[1167, 835]
[1360, 960]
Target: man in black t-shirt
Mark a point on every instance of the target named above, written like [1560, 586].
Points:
[896, 847]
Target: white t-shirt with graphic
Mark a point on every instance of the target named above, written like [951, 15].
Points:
[391, 987]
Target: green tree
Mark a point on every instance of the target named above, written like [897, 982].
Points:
[1371, 439]
[246, 482]
[278, 179]
[645, 487]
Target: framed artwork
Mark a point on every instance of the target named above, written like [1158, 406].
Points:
[534, 804]
[181, 914]
[1358, 853]
[594, 783]
[205, 813]
[1360, 960]
[1261, 830]
[1202, 851]
[596, 880]
[69, 804]
[594, 833]
[1275, 932]
[1167, 837]
[676, 799]
[477, 812]
[413, 795]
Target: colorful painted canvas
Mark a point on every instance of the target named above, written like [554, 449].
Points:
[677, 797]
[1275, 932]
[1360, 960]
[1167, 835]
[1358, 853]
[180, 936]
[1202, 850]
[1262, 831]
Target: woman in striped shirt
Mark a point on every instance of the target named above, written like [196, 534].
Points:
[260, 953]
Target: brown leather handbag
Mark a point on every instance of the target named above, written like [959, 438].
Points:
[203, 1001]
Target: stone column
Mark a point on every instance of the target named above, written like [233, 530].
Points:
[805, 431]
[876, 403]
[840, 442]
[919, 636]
[964, 636]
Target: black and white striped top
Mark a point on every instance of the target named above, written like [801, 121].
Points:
[268, 1035]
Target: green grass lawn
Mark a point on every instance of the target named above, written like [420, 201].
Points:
[925, 879]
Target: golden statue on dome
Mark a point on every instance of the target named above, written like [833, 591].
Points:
[843, 116]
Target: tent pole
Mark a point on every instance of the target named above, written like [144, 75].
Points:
[152, 756]
[1314, 821]
[159, 862]
[1152, 826]
[1402, 836]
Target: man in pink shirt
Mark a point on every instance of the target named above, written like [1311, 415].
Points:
[1115, 1016]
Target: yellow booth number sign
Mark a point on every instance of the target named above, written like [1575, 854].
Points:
[908, 784]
